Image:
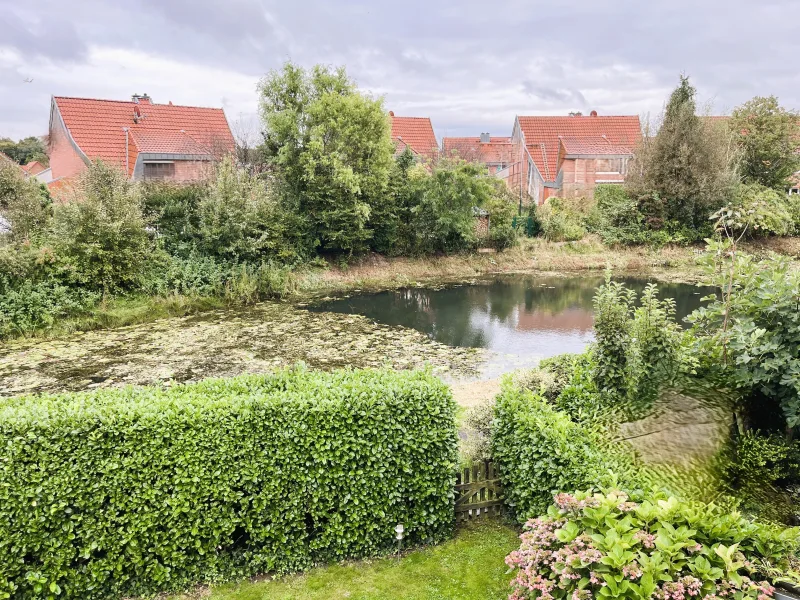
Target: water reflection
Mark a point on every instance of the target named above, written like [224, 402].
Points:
[525, 316]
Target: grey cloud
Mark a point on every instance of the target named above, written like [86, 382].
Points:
[38, 37]
[548, 94]
[469, 65]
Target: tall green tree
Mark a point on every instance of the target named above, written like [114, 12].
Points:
[330, 151]
[685, 171]
[769, 136]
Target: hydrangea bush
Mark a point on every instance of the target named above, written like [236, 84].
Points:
[610, 546]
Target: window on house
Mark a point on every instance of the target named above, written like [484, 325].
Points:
[159, 170]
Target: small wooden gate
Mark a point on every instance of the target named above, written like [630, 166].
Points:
[478, 491]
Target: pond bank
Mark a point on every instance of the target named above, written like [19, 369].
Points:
[375, 272]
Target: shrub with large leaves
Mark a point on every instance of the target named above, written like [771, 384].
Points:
[607, 545]
[137, 490]
[749, 334]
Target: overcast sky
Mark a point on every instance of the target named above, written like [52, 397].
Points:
[470, 65]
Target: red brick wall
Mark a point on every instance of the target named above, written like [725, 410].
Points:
[64, 159]
[578, 178]
[192, 170]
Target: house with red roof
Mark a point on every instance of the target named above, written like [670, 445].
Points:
[416, 134]
[569, 156]
[34, 167]
[492, 151]
[144, 139]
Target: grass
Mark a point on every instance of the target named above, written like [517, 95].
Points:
[468, 567]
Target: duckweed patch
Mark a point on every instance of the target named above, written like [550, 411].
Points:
[221, 343]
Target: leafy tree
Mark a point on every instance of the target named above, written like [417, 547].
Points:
[768, 135]
[686, 171]
[331, 152]
[102, 230]
[25, 150]
[390, 220]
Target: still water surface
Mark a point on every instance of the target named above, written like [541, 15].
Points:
[518, 318]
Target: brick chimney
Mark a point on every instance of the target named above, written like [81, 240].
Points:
[141, 99]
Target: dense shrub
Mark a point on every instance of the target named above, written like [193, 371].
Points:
[33, 306]
[756, 210]
[444, 218]
[238, 220]
[761, 460]
[172, 209]
[136, 490]
[24, 203]
[616, 217]
[638, 348]
[539, 451]
[560, 221]
[501, 209]
[102, 231]
[611, 546]
[613, 306]
[477, 427]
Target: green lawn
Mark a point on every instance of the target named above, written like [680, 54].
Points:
[469, 567]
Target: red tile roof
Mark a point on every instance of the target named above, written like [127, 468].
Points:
[167, 142]
[34, 167]
[97, 127]
[594, 146]
[542, 135]
[496, 150]
[416, 133]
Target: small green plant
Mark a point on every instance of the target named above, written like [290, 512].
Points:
[613, 307]
[610, 545]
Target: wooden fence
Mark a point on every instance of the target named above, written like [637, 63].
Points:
[478, 491]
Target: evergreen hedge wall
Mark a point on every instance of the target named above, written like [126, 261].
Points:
[132, 491]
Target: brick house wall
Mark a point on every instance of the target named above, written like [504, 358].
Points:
[65, 161]
[578, 178]
[192, 170]
[580, 175]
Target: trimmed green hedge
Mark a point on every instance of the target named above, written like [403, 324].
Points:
[137, 490]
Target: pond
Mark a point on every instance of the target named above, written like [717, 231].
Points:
[465, 333]
[519, 319]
